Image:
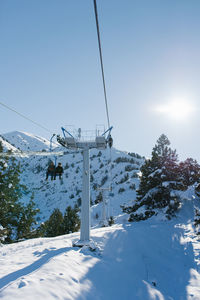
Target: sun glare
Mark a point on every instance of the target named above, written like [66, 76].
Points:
[179, 110]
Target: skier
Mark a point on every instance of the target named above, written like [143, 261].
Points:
[50, 171]
[59, 171]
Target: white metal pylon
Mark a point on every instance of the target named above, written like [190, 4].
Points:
[70, 142]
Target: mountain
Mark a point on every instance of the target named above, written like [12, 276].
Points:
[6, 145]
[26, 141]
[117, 169]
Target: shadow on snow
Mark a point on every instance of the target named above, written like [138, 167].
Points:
[47, 255]
[142, 261]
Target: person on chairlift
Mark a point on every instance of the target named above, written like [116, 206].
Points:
[110, 141]
[59, 171]
[50, 171]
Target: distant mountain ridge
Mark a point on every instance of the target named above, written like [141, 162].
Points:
[6, 145]
[26, 141]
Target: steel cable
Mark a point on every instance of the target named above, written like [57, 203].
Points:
[23, 116]
[101, 61]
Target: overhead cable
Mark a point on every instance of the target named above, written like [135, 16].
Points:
[101, 61]
[23, 116]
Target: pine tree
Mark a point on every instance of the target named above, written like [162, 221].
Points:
[3, 233]
[99, 198]
[26, 221]
[111, 221]
[159, 182]
[197, 220]
[54, 226]
[71, 221]
[190, 171]
[11, 191]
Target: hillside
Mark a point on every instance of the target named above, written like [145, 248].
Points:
[26, 141]
[153, 259]
[6, 145]
[140, 261]
[117, 169]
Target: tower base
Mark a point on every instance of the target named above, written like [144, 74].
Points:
[88, 243]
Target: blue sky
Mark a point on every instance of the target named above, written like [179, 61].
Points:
[50, 70]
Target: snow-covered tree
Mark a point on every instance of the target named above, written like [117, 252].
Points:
[14, 216]
[197, 220]
[3, 233]
[99, 198]
[160, 180]
[190, 171]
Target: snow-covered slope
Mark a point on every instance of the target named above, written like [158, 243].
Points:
[139, 261]
[120, 170]
[59, 194]
[153, 259]
[27, 141]
[6, 145]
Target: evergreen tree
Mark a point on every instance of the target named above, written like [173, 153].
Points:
[111, 221]
[197, 220]
[71, 221]
[11, 209]
[159, 182]
[27, 219]
[3, 233]
[54, 226]
[58, 225]
[190, 171]
[99, 198]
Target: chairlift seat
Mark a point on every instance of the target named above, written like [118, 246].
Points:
[71, 143]
[101, 142]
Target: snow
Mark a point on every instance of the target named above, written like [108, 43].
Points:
[144, 260]
[68, 191]
[167, 183]
[6, 145]
[158, 171]
[26, 141]
[152, 259]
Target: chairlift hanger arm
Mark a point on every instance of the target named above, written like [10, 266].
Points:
[64, 130]
[108, 130]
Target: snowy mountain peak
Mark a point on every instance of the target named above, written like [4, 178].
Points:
[6, 145]
[26, 141]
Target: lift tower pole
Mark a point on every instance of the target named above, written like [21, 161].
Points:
[70, 142]
[85, 206]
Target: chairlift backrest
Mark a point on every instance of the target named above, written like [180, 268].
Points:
[70, 142]
[101, 142]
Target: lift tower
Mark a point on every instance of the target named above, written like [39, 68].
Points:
[70, 142]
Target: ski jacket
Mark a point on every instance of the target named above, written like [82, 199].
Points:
[59, 170]
[51, 169]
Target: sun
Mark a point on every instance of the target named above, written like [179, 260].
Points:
[178, 110]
